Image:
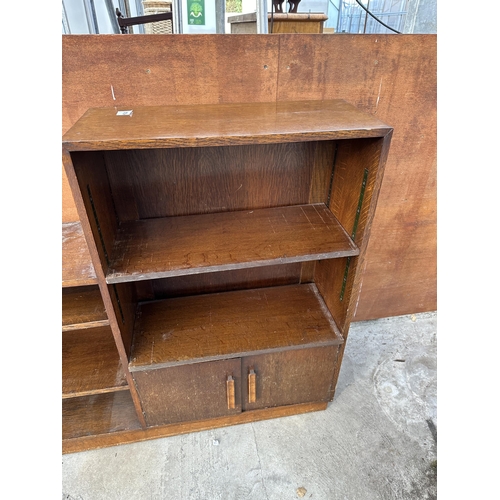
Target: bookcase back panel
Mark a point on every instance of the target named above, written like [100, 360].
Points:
[223, 281]
[186, 181]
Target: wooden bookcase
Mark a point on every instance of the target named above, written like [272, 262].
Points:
[227, 244]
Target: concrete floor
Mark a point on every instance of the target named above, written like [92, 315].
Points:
[376, 440]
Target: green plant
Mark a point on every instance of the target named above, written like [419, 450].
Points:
[233, 6]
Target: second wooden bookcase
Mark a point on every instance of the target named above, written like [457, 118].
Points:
[227, 242]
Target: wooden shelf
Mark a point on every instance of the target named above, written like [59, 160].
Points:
[82, 307]
[220, 125]
[176, 246]
[102, 414]
[76, 439]
[231, 324]
[77, 268]
[90, 363]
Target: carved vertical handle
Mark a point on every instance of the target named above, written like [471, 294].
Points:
[230, 393]
[251, 386]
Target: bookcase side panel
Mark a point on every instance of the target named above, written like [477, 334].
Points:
[339, 280]
[123, 297]
[356, 181]
[93, 185]
[90, 185]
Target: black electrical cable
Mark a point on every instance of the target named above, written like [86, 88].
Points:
[376, 18]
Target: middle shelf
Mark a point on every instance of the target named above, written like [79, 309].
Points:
[191, 244]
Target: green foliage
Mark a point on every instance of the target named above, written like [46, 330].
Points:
[233, 6]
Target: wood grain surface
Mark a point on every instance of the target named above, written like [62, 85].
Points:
[224, 281]
[168, 182]
[77, 440]
[220, 125]
[90, 363]
[98, 415]
[82, 307]
[393, 77]
[358, 172]
[290, 377]
[175, 246]
[77, 267]
[216, 326]
[190, 392]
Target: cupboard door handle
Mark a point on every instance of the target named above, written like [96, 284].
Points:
[251, 386]
[230, 393]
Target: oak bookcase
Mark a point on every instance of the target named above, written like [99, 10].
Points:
[226, 245]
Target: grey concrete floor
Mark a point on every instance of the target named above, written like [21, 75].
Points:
[376, 440]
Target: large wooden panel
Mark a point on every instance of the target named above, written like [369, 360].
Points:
[109, 70]
[393, 77]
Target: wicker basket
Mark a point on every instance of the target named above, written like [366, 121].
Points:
[157, 7]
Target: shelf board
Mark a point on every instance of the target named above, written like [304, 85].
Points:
[102, 414]
[77, 268]
[192, 244]
[90, 363]
[220, 125]
[231, 324]
[82, 307]
[78, 432]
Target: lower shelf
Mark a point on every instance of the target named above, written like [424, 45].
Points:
[80, 441]
[98, 415]
[82, 307]
[217, 326]
[90, 363]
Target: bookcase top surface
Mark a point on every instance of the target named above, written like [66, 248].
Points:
[141, 127]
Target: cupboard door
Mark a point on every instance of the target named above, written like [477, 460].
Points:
[190, 392]
[288, 377]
